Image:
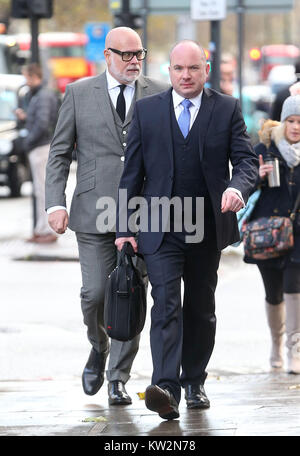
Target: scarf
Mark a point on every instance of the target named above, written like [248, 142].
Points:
[290, 152]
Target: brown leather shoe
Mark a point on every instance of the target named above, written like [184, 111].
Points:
[45, 239]
[33, 238]
[161, 401]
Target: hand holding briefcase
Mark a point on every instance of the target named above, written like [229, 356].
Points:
[125, 299]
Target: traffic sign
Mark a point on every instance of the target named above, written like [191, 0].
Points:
[96, 33]
[208, 10]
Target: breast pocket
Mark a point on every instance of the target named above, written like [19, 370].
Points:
[218, 137]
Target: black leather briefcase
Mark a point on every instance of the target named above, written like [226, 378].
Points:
[125, 299]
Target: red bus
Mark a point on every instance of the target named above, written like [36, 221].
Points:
[62, 54]
[277, 54]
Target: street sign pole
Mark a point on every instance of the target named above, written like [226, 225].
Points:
[126, 9]
[145, 32]
[34, 48]
[215, 47]
[215, 12]
[241, 20]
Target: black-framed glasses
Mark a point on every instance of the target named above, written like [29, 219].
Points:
[128, 55]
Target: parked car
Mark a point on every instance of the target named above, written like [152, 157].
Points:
[14, 166]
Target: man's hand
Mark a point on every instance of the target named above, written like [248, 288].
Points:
[58, 220]
[231, 202]
[20, 113]
[121, 241]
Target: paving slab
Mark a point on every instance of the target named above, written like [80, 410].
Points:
[241, 405]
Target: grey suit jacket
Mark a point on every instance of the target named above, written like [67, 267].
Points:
[87, 120]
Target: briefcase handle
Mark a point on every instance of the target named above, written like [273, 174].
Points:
[126, 254]
[127, 249]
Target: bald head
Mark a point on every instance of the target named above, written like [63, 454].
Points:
[189, 45]
[119, 35]
[188, 68]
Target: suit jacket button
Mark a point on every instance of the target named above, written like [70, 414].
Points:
[122, 158]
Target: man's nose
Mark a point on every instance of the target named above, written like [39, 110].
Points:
[186, 73]
[134, 59]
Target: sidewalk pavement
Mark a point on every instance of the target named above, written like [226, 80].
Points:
[241, 405]
[42, 358]
[246, 399]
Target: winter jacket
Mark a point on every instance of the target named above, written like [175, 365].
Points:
[41, 118]
[278, 201]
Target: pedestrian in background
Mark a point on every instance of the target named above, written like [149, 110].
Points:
[40, 120]
[276, 107]
[96, 114]
[281, 276]
[227, 74]
[179, 145]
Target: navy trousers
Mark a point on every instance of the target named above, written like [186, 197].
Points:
[182, 332]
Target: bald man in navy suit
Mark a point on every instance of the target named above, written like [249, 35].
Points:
[180, 144]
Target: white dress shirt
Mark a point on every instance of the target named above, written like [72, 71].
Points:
[194, 109]
[114, 90]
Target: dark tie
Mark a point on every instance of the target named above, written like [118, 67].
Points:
[121, 105]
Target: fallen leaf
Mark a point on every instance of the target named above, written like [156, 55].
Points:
[141, 396]
[94, 419]
[293, 387]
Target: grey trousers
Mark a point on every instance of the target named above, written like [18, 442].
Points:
[98, 257]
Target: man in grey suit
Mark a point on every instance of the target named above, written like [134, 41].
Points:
[95, 117]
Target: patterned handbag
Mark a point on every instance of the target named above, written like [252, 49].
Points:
[244, 214]
[269, 237]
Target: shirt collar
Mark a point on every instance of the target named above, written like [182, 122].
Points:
[177, 99]
[112, 83]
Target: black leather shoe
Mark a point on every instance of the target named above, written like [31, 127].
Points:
[196, 397]
[117, 394]
[161, 401]
[93, 373]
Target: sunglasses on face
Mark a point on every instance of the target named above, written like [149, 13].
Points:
[128, 55]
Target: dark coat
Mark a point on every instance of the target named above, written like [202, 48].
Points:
[149, 161]
[279, 201]
[41, 119]
[281, 96]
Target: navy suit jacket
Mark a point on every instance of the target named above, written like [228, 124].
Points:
[149, 163]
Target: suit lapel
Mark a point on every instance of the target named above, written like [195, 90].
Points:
[140, 92]
[164, 112]
[205, 113]
[103, 100]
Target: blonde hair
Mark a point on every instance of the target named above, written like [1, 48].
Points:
[266, 129]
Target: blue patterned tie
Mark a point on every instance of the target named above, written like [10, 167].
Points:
[185, 117]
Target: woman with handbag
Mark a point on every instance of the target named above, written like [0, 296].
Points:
[280, 142]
